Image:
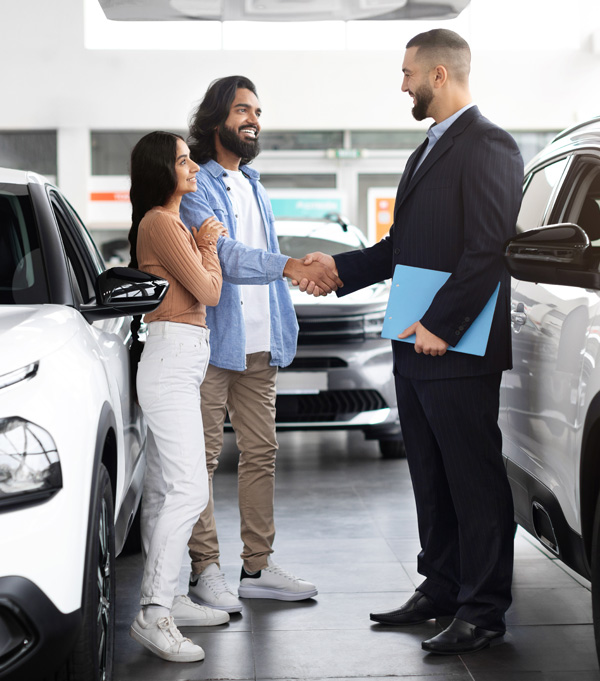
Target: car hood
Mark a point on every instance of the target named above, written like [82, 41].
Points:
[28, 333]
[369, 299]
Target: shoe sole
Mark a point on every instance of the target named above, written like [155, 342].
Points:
[224, 608]
[170, 657]
[391, 623]
[490, 643]
[274, 594]
[214, 622]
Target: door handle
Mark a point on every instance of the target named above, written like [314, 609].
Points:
[518, 317]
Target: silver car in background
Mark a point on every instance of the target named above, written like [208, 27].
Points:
[341, 376]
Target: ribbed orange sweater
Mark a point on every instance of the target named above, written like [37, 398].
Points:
[166, 248]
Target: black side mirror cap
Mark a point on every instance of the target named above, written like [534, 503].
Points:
[122, 291]
[557, 254]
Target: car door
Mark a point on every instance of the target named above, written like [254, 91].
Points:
[553, 339]
[112, 336]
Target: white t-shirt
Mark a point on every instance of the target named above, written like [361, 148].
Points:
[250, 230]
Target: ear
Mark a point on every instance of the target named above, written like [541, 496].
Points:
[440, 76]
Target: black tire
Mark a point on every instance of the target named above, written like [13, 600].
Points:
[92, 656]
[392, 449]
[596, 578]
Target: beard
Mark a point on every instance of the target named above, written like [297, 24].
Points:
[231, 140]
[423, 98]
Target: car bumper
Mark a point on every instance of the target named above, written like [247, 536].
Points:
[35, 637]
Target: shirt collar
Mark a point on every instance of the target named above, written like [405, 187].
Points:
[438, 129]
[217, 170]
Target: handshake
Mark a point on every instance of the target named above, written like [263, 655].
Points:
[316, 274]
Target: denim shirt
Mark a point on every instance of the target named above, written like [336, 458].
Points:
[241, 264]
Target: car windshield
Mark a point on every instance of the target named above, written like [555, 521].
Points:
[298, 240]
[22, 273]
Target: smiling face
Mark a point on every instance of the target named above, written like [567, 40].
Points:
[240, 132]
[185, 170]
[417, 82]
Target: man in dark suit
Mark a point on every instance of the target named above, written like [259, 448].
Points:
[457, 204]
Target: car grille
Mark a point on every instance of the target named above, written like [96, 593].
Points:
[305, 363]
[328, 405]
[335, 330]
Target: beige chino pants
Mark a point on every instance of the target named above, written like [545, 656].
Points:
[249, 396]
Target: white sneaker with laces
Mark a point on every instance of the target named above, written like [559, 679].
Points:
[186, 613]
[274, 582]
[164, 639]
[211, 589]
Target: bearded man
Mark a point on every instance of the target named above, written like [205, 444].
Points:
[253, 332]
[456, 206]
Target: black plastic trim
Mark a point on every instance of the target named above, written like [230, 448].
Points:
[53, 632]
[526, 491]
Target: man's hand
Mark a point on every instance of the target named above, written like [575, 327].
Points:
[315, 276]
[311, 287]
[425, 342]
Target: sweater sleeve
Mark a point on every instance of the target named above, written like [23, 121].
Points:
[196, 269]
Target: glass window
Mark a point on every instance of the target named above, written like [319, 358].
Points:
[539, 189]
[111, 150]
[29, 150]
[298, 180]
[579, 203]
[296, 140]
[531, 142]
[386, 139]
[22, 271]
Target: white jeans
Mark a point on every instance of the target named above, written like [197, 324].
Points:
[170, 372]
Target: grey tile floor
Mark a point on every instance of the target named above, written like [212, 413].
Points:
[346, 521]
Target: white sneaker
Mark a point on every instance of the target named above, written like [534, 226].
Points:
[210, 588]
[186, 613]
[164, 639]
[274, 582]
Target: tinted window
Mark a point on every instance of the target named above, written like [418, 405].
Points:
[22, 271]
[539, 189]
[580, 200]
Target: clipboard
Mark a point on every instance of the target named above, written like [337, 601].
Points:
[412, 292]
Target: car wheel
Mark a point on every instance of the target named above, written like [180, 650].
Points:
[392, 449]
[92, 656]
[596, 578]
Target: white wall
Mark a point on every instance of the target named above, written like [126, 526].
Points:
[50, 81]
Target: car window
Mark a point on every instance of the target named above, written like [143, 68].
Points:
[23, 278]
[580, 201]
[82, 275]
[540, 187]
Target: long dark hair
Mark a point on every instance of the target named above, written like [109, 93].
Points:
[153, 179]
[212, 112]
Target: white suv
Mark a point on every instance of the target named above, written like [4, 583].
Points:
[550, 401]
[71, 436]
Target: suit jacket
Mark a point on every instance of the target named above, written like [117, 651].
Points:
[453, 215]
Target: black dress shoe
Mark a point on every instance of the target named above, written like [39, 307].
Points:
[459, 638]
[418, 608]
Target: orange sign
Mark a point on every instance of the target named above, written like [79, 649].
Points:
[109, 196]
[384, 216]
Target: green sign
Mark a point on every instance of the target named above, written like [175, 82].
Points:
[305, 207]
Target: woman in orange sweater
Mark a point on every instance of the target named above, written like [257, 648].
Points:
[170, 372]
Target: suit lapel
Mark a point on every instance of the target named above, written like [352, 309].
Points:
[442, 146]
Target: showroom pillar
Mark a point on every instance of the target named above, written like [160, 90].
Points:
[74, 166]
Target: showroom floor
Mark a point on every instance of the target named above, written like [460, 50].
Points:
[346, 521]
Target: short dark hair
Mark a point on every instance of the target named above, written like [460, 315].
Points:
[211, 113]
[153, 178]
[442, 46]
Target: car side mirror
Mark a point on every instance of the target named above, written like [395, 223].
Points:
[557, 254]
[122, 291]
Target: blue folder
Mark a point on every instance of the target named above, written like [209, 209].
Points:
[413, 290]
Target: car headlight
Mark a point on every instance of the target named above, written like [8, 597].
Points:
[19, 375]
[373, 323]
[29, 462]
